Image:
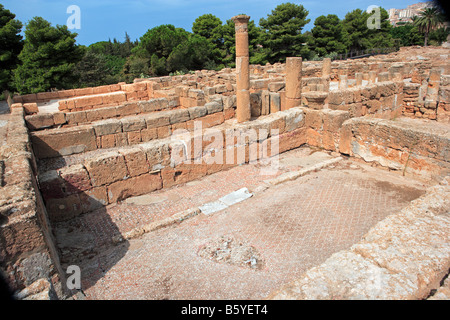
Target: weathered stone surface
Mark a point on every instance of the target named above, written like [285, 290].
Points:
[403, 257]
[39, 121]
[56, 142]
[76, 179]
[197, 112]
[295, 118]
[106, 127]
[136, 161]
[106, 168]
[158, 155]
[156, 120]
[404, 144]
[134, 187]
[213, 107]
[276, 86]
[133, 124]
[154, 105]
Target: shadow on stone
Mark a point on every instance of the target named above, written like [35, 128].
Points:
[84, 237]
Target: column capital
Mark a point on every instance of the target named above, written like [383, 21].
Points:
[241, 19]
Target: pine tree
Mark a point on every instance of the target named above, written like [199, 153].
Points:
[10, 46]
[48, 58]
[283, 32]
[328, 35]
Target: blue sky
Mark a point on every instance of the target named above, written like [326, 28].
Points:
[104, 19]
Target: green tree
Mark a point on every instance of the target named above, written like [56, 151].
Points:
[160, 41]
[439, 35]
[48, 58]
[361, 37]
[10, 46]
[193, 54]
[328, 35]
[92, 70]
[429, 19]
[135, 67]
[115, 55]
[169, 49]
[407, 35]
[210, 27]
[282, 32]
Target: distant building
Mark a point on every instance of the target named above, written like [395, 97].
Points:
[405, 15]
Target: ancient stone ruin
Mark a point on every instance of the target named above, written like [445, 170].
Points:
[65, 154]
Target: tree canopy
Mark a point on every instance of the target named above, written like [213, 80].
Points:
[328, 35]
[10, 46]
[48, 58]
[168, 49]
[282, 32]
[429, 19]
[361, 37]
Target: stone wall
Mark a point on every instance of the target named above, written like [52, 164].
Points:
[124, 131]
[29, 259]
[381, 99]
[98, 180]
[408, 145]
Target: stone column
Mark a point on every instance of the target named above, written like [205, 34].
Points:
[343, 82]
[326, 67]
[359, 79]
[293, 82]
[326, 73]
[372, 76]
[243, 111]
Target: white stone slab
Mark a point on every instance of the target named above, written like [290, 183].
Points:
[236, 197]
[212, 207]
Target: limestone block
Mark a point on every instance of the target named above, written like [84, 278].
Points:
[275, 102]
[128, 109]
[133, 124]
[56, 142]
[39, 121]
[158, 154]
[133, 187]
[154, 105]
[276, 86]
[155, 120]
[76, 179]
[76, 117]
[30, 108]
[106, 168]
[213, 107]
[294, 118]
[109, 126]
[136, 161]
[179, 115]
[197, 112]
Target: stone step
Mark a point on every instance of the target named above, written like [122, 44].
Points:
[85, 181]
[128, 130]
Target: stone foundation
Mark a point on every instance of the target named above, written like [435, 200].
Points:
[100, 146]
